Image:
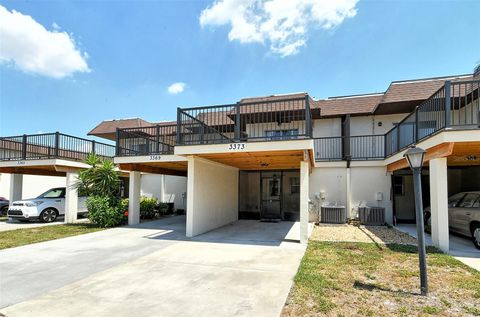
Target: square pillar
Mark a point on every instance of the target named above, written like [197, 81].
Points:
[212, 197]
[16, 187]
[439, 203]
[190, 197]
[348, 204]
[304, 190]
[71, 198]
[134, 198]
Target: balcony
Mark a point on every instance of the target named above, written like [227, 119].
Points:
[278, 120]
[158, 139]
[455, 106]
[51, 146]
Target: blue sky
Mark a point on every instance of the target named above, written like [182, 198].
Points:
[136, 50]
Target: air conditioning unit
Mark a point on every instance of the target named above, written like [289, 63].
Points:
[373, 216]
[333, 214]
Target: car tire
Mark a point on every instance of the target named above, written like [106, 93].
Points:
[476, 235]
[48, 215]
[426, 226]
[4, 210]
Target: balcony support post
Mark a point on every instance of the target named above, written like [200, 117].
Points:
[237, 122]
[448, 104]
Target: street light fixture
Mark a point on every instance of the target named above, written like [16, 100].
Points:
[415, 156]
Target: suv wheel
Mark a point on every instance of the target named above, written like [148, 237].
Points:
[48, 215]
[476, 235]
[4, 210]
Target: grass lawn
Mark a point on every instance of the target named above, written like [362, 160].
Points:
[370, 279]
[3, 218]
[16, 238]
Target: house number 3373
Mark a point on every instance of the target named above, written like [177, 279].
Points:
[236, 146]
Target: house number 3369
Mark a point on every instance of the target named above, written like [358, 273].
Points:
[236, 146]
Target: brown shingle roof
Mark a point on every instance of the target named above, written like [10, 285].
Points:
[110, 126]
[361, 104]
[416, 89]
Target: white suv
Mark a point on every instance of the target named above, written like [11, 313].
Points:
[46, 207]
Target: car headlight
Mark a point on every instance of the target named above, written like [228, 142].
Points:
[33, 203]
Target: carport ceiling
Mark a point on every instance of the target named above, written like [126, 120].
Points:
[43, 170]
[270, 160]
[457, 154]
[167, 168]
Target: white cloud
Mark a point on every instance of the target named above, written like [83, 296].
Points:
[176, 88]
[32, 48]
[281, 24]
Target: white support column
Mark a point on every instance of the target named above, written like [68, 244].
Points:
[304, 181]
[190, 196]
[71, 198]
[16, 187]
[134, 198]
[439, 203]
[348, 201]
[162, 188]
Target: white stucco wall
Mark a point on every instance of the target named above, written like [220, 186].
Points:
[175, 186]
[365, 182]
[33, 185]
[327, 127]
[212, 198]
[366, 125]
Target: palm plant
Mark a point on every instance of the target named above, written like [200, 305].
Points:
[101, 179]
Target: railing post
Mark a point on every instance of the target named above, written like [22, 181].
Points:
[57, 143]
[448, 104]
[93, 146]
[157, 139]
[117, 142]
[179, 126]
[24, 146]
[308, 118]
[237, 122]
[416, 125]
[398, 138]
[385, 145]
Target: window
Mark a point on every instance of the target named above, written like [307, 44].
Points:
[398, 186]
[282, 134]
[294, 185]
[53, 193]
[455, 199]
[468, 201]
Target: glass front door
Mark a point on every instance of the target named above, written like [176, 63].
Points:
[271, 185]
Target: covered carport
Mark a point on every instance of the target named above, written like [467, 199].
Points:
[48, 167]
[213, 178]
[49, 154]
[452, 164]
[149, 164]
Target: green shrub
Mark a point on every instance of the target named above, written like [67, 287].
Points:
[105, 211]
[147, 207]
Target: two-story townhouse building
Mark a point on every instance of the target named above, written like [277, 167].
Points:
[282, 157]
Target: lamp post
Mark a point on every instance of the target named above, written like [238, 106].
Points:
[414, 156]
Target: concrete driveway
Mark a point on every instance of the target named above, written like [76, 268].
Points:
[461, 247]
[244, 269]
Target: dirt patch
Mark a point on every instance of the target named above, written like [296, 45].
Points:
[368, 234]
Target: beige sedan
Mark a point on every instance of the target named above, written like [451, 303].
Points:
[463, 215]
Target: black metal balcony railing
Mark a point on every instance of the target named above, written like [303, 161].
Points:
[364, 147]
[158, 139]
[254, 121]
[454, 106]
[51, 145]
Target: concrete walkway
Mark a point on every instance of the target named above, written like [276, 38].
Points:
[460, 248]
[13, 224]
[244, 269]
